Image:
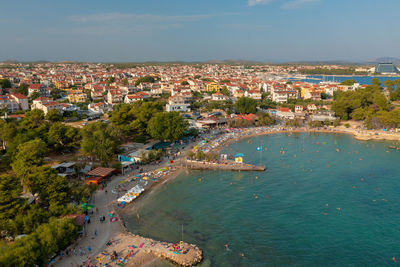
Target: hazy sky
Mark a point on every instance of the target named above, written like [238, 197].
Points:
[165, 30]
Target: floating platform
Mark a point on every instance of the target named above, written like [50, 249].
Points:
[225, 166]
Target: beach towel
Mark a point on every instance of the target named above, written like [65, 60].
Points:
[141, 245]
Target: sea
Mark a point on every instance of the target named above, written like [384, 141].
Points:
[324, 200]
[317, 79]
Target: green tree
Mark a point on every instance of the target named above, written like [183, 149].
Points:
[184, 83]
[224, 91]
[246, 105]
[122, 117]
[10, 196]
[168, 126]
[146, 79]
[100, 140]
[389, 85]
[348, 82]
[61, 136]
[111, 80]
[29, 155]
[376, 81]
[324, 95]
[34, 95]
[53, 115]
[5, 83]
[144, 112]
[33, 119]
[22, 89]
[36, 248]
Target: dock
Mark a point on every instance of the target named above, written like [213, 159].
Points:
[224, 166]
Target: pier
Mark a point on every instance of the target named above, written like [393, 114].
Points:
[224, 166]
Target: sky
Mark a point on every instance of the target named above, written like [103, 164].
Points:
[194, 30]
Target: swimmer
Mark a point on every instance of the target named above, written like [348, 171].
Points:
[362, 179]
[226, 247]
[294, 182]
[327, 204]
[325, 213]
[338, 209]
[354, 186]
[230, 183]
[394, 259]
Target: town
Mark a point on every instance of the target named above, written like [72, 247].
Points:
[91, 91]
[71, 132]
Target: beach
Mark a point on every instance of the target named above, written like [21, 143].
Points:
[98, 234]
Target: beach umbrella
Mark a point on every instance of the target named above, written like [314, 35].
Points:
[86, 206]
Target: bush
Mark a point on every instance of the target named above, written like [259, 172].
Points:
[347, 125]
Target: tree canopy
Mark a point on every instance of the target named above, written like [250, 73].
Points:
[246, 105]
[100, 140]
[169, 126]
[146, 79]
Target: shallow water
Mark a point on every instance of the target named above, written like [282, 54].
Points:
[312, 206]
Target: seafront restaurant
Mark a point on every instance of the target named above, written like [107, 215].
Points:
[99, 174]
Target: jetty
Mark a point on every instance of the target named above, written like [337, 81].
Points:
[224, 166]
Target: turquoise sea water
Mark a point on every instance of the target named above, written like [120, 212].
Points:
[313, 206]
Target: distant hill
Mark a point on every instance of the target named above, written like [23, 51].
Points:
[393, 60]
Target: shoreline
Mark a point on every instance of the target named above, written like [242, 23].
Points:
[121, 231]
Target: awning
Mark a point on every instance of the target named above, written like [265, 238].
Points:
[100, 171]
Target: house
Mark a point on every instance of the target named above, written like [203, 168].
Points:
[285, 113]
[97, 93]
[97, 107]
[36, 88]
[77, 97]
[324, 115]
[238, 93]
[115, 96]
[255, 94]
[212, 87]
[282, 96]
[65, 168]
[46, 104]
[177, 103]
[218, 97]
[311, 107]
[132, 98]
[298, 109]
[21, 100]
[9, 103]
